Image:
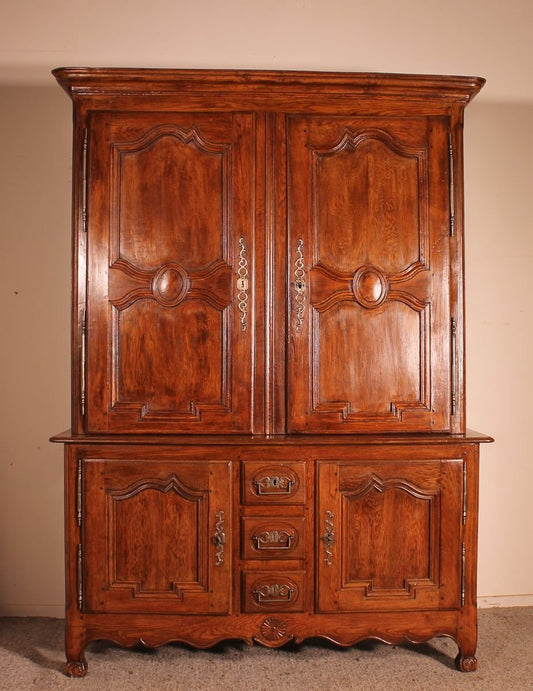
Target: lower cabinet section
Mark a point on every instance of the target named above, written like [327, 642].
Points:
[284, 539]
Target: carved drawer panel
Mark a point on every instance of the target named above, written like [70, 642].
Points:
[273, 483]
[272, 538]
[273, 591]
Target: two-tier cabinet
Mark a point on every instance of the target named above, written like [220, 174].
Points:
[268, 435]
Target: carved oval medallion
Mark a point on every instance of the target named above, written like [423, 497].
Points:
[170, 285]
[370, 286]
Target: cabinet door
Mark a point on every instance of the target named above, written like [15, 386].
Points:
[156, 536]
[369, 313]
[170, 294]
[390, 535]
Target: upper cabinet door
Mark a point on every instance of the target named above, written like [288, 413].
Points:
[170, 293]
[369, 299]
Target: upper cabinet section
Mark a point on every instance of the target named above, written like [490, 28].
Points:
[267, 252]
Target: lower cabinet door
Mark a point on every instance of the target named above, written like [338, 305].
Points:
[155, 536]
[389, 535]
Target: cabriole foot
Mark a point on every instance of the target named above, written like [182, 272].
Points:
[76, 668]
[466, 664]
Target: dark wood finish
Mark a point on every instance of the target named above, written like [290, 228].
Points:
[268, 433]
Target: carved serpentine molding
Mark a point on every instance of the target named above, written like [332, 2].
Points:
[168, 285]
[172, 483]
[371, 287]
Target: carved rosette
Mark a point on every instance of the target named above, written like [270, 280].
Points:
[274, 630]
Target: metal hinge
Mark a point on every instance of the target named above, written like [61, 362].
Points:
[79, 496]
[79, 576]
[84, 182]
[465, 495]
[463, 573]
[452, 191]
[453, 327]
[83, 359]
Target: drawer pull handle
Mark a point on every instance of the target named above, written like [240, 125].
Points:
[274, 484]
[273, 539]
[274, 593]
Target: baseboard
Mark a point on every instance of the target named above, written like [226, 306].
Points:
[505, 601]
[52, 611]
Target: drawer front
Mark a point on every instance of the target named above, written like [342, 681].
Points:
[266, 538]
[273, 483]
[273, 591]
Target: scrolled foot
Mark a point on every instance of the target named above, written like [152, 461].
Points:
[466, 664]
[76, 668]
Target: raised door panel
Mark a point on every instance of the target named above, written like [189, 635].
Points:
[369, 314]
[390, 535]
[156, 536]
[170, 293]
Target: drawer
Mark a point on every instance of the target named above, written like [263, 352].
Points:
[273, 591]
[266, 537]
[273, 483]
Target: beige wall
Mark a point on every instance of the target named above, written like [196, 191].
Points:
[489, 38]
